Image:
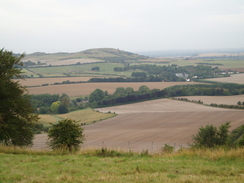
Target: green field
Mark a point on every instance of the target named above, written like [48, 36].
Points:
[86, 116]
[193, 166]
[106, 70]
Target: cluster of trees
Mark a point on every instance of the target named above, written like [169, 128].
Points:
[124, 95]
[210, 136]
[55, 104]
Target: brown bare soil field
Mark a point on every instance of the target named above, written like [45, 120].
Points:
[40, 81]
[87, 88]
[228, 100]
[236, 78]
[151, 124]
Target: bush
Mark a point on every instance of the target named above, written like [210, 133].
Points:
[168, 148]
[66, 135]
[210, 136]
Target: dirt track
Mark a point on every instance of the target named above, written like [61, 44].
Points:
[149, 125]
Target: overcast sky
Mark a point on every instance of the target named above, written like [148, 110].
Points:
[132, 25]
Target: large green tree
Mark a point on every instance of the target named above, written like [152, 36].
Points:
[16, 112]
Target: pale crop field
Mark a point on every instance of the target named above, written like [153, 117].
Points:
[235, 78]
[83, 89]
[151, 124]
[228, 100]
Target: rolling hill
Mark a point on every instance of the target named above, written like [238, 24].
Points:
[86, 56]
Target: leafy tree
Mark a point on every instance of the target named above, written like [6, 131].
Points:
[129, 90]
[96, 95]
[120, 91]
[144, 89]
[55, 105]
[65, 101]
[16, 112]
[66, 135]
[210, 136]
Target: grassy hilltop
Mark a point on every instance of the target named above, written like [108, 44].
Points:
[87, 56]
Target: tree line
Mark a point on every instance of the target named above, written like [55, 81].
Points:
[99, 98]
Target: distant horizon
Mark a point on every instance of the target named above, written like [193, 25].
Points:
[210, 50]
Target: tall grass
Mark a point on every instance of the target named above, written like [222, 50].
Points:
[107, 165]
[220, 153]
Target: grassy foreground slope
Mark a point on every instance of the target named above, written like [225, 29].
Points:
[195, 166]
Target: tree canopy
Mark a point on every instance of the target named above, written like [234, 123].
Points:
[16, 112]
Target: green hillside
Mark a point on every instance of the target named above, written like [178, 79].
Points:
[99, 54]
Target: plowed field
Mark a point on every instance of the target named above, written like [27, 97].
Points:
[87, 88]
[151, 124]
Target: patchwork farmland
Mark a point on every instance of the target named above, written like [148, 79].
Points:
[151, 124]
